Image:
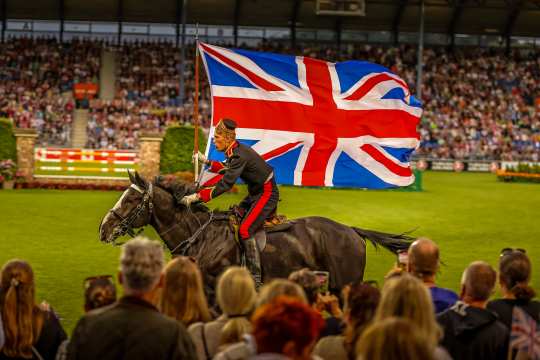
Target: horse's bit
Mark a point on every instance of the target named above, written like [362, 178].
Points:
[126, 224]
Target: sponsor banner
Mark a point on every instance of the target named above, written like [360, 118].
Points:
[458, 165]
[85, 90]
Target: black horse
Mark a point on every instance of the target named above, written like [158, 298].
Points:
[314, 242]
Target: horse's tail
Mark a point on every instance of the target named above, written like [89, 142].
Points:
[394, 243]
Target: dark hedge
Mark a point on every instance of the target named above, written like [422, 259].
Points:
[8, 144]
[177, 148]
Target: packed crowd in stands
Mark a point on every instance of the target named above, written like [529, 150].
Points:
[478, 103]
[36, 82]
[147, 96]
[164, 313]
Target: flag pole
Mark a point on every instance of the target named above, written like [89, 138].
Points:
[196, 106]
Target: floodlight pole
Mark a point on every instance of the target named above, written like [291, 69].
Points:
[420, 53]
[120, 18]
[182, 8]
[4, 16]
[62, 19]
[196, 106]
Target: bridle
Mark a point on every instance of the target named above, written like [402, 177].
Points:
[125, 226]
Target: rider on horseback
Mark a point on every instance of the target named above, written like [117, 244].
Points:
[244, 163]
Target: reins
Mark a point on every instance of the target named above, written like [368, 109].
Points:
[186, 244]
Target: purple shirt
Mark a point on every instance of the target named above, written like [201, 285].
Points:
[442, 298]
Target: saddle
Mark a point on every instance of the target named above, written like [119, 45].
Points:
[274, 223]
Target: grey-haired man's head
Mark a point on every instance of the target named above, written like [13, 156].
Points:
[141, 264]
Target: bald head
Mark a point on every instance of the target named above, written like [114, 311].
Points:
[423, 258]
[478, 281]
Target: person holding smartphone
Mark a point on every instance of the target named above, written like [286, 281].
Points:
[325, 303]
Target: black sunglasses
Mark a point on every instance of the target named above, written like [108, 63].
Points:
[91, 279]
[508, 251]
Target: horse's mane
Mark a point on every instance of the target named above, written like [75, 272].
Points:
[186, 188]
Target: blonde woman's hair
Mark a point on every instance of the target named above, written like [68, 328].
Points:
[393, 338]
[23, 319]
[236, 296]
[407, 297]
[182, 297]
[279, 287]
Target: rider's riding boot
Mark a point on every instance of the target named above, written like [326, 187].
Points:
[253, 261]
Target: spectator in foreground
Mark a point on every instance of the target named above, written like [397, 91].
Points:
[269, 292]
[407, 297]
[286, 328]
[236, 297]
[29, 330]
[280, 287]
[99, 291]
[394, 338]
[470, 330]
[326, 304]
[424, 264]
[361, 302]
[182, 297]
[133, 328]
[514, 277]
[2, 337]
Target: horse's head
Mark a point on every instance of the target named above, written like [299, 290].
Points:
[132, 210]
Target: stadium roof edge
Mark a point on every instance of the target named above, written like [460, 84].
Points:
[519, 17]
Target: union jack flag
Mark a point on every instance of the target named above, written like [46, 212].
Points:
[525, 334]
[317, 123]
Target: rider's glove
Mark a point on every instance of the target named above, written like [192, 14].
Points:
[201, 157]
[187, 200]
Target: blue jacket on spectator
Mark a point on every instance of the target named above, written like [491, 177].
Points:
[2, 336]
[442, 298]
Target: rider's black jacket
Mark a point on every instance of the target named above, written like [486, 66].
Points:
[241, 162]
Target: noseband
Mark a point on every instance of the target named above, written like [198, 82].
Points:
[125, 226]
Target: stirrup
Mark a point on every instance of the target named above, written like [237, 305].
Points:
[243, 261]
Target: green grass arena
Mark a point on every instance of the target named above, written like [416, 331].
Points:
[472, 216]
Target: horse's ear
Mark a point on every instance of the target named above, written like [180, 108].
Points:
[140, 181]
[131, 177]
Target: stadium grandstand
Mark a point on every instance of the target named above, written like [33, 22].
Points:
[145, 75]
[90, 89]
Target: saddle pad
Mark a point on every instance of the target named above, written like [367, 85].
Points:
[281, 227]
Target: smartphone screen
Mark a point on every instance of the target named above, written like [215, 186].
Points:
[323, 277]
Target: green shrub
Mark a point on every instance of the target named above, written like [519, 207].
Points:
[524, 168]
[177, 148]
[8, 145]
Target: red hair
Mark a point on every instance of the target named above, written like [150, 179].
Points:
[282, 320]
